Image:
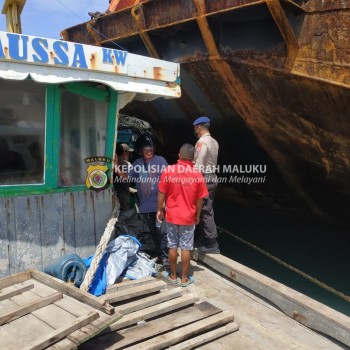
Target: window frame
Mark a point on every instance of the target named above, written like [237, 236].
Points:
[52, 132]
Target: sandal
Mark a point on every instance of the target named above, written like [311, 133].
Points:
[166, 276]
[190, 281]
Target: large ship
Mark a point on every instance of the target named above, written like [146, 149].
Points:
[273, 76]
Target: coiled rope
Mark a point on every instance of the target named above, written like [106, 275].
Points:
[287, 266]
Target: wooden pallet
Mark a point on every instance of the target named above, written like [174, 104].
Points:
[157, 315]
[38, 311]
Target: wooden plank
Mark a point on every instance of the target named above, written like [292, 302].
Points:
[17, 291]
[11, 235]
[298, 306]
[68, 222]
[264, 325]
[150, 301]
[14, 279]
[237, 340]
[84, 225]
[62, 332]
[153, 311]
[83, 334]
[54, 316]
[102, 211]
[64, 344]
[78, 309]
[52, 223]
[206, 337]
[28, 232]
[7, 305]
[183, 333]
[128, 284]
[27, 297]
[58, 317]
[267, 339]
[19, 333]
[129, 336]
[4, 239]
[72, 291]
[26, 309]
[40, 289]
[155, 286]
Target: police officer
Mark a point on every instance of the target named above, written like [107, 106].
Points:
[205, 158]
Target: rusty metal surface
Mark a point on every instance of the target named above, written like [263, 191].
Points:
[325, 47]
[273, 101]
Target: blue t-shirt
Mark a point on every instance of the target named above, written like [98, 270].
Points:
[146, 175]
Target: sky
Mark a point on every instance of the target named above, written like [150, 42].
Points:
[47, 18]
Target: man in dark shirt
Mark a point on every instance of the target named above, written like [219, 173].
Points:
[121, 183]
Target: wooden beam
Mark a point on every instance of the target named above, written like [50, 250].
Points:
[150, 301]
[8, 295]
[13, 9]
[129, 284]
[14, 279]
[206, 337]
[152, 328]
[164, 340]
[62, 332]
[303, 309]
[72, 291]
[20, 4]
[121, 295]
[28, 308]
[154, 311]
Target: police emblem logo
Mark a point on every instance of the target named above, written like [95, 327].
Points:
[198, 147]
[97, 176]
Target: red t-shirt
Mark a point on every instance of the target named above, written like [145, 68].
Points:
[182, 185]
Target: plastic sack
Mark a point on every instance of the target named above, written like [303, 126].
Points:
[121, 253]
[129, 222]
[142, 267]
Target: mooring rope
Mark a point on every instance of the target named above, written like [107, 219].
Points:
[287, 266]
[89, 276]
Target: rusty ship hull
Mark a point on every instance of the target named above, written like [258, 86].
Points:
[274, 77]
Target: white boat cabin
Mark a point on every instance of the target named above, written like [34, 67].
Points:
[59, 104]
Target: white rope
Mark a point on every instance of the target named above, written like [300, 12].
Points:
[98, 254]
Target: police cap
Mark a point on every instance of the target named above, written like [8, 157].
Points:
[201, 120]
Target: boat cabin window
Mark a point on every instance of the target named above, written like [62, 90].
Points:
[22, 132]
[83, 135]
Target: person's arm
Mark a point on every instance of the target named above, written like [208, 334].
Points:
[161, 204]
[199, 205]
[131, 169]
[200, 154]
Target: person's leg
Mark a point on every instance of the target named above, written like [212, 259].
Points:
[207, 213]
[173, 262]
[124, 200]
[185, 265]
[186, 237]
[164, 245]
[150, 219]
[207, 225]
[173, 243]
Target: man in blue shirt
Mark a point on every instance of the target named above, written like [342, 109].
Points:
[146, 172]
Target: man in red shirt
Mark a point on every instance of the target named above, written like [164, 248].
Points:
[182, 189]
